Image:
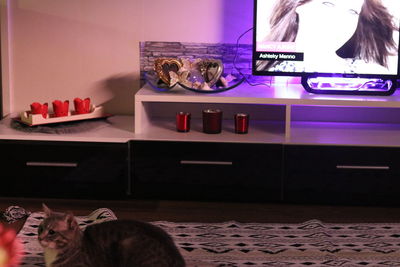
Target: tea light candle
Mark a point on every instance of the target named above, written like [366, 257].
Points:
[241, 123]
[183, 121]
[212, 121]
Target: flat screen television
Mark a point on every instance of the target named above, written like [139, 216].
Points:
[336, 46]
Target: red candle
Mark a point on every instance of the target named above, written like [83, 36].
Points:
[37, 108]
[60, 109]
[82, 106]
[212, 121]
[241, 123]
[183, 121]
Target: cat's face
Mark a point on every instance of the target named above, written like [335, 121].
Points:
[57, 230]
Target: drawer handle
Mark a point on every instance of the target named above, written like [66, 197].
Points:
[360, 167]
[52, 164]
[201, 162]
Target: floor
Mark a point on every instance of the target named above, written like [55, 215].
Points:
[190, 211]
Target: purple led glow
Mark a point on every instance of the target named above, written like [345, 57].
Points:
[349, 84]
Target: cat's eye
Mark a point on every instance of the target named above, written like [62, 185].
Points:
[51, 232]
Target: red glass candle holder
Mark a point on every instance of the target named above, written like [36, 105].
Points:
[241, 123]
[82, 106]
[60, 109]
[183, 121]
[37, 108]
[212, 121]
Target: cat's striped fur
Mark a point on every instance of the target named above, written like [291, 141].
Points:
[109, 244]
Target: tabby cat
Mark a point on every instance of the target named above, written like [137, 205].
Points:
[115, 243]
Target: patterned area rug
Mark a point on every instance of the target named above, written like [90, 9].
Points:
[312, 243]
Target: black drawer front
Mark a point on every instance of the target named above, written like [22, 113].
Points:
[209, 171]
[65, 169]
[342, 175]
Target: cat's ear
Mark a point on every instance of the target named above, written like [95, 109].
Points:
[71, 221]
[46, 210]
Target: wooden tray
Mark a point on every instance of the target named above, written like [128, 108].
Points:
[30, 119]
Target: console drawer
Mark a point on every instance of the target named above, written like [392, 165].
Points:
[64, 169]
[189, 170]
[342, 175]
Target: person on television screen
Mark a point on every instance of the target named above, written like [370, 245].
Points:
[336, 36]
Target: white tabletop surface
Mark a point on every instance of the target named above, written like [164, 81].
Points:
[116, 129]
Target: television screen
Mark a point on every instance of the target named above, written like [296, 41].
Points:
[345, 38]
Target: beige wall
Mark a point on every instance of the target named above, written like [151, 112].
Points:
[62, 49]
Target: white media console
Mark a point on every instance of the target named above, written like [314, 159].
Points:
[282, 113]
